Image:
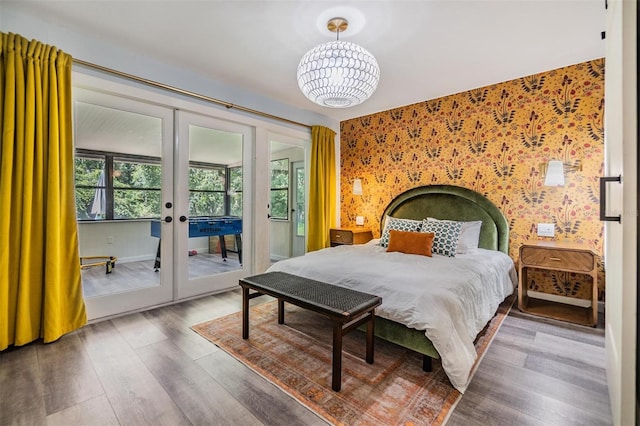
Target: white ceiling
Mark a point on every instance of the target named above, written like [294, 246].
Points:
[425, 49]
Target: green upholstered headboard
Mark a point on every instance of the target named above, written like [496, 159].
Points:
[453, 203]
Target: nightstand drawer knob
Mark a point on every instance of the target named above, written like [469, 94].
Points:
[557, 259]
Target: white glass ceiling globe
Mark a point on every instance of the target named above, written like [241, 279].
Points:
[338, 74]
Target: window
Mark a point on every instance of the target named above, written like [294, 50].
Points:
[115, 186]
[280, 189]
[91, 188]
[136, 189]
[207, 190]
[300, 201]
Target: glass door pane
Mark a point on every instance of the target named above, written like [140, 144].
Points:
[287, 200]
[298, 247]
[212, 198]
[123, 176]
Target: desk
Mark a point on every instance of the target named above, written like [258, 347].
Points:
[207, 227]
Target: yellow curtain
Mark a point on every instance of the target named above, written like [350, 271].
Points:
[322, 188]
[40, 287]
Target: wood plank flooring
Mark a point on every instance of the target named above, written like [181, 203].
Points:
[538, 372]
[150, 368]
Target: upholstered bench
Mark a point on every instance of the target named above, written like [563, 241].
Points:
[346, 308]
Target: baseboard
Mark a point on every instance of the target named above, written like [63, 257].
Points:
[130, 259]
[275, 257]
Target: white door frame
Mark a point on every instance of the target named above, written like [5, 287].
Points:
[621, 127]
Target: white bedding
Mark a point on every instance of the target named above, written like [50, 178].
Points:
[452, 299]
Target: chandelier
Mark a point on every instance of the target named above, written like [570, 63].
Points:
[338, 74]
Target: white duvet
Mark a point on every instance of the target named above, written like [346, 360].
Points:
[451, 299]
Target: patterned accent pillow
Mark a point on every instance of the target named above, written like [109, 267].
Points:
[407, 225]
[446, 235]
[469, 236]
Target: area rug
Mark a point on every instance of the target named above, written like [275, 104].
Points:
[296, 357]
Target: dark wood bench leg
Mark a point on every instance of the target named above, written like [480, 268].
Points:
[426, 363]
[245, 312]
[370, 330]
[280, 311]
[336, 374]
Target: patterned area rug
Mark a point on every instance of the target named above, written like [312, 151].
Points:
[296, 357]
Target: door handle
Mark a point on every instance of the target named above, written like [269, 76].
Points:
[183, 218]
[168, 219]
[603, 199]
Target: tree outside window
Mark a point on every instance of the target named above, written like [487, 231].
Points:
[112, 187]
[235, 191]
[136, 190]
[207, 191]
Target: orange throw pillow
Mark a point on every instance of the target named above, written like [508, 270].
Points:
[411, 242]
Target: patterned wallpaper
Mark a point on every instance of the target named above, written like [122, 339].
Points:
[492, 140]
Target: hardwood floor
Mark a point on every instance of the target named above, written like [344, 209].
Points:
[538, 372]
[150, 368]
[135, 275]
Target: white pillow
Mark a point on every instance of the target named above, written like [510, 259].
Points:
[469, 236]
[396, 224]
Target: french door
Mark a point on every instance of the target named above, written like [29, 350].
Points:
[212, 234]
[124, 186]
[163, 203]
[287, 205]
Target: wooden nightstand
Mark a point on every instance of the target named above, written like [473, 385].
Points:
[563, 257]
[349, 236]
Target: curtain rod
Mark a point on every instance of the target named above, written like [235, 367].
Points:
[227, 105]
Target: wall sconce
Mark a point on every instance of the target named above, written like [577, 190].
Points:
[555, 174]
[553, 171]
[357, 187]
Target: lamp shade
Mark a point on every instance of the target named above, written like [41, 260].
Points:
[555, 174]
[357, 187]
[338, 74]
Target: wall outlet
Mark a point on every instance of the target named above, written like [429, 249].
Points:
[360, 220]
[546, 229]
[109, 240]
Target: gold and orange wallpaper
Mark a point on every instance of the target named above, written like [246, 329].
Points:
[492, 140]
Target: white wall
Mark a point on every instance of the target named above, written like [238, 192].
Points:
[101, 52]
[131, 241]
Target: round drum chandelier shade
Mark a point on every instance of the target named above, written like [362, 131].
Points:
[338, 74]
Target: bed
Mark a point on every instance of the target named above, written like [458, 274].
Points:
[425, 307]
